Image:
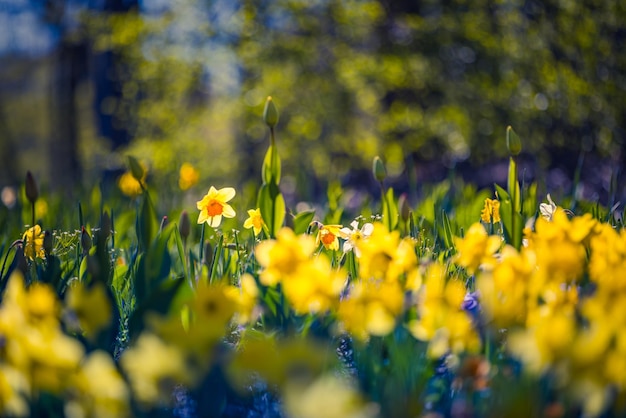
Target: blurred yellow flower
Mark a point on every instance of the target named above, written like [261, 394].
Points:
[129, 185]
[33, 243]
[281, 257]
[188, 176]
[213, 206]
[441, 319]
[102, 391]
[340, 398]
[245, 299]
[385, 256]
[476, 249]
[328, 236]
[491, 211]
[279, 362]
[91, 306]
[371, 308]
[211, 304]
[254, 221]
[315, 286]
[13, 387]
[154, 368]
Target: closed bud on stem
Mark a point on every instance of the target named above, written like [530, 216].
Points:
[32, 193]
[85, 241]
[513, 143]
[105, 227]
[405, 208]
[378, 168]
[47, 243]
[184, 225]
[270, 114]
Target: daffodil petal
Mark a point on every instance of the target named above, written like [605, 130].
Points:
[226, 194]
[215, 221]
[367, 229]
[228, 211]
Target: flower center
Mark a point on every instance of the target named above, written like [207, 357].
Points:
[327, 237]
[214, 208]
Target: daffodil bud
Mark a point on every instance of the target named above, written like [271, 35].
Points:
[135, 168]
[405, 208]
[378, 168]
[270, 114]
[513, 143]
[47, 242]
[32, 193]
[184, 225]
[105, 225]
[85, 241]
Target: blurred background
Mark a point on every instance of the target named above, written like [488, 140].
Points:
[430, 86]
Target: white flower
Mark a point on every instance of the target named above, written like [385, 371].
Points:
[354, 235]
[547, 209]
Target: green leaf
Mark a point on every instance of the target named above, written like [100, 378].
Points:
[511, 220]
[271, 166]
[447, 230]
[302, 220]
[390, 210]
[513, 185]
[272, 205]
[147, 224]
[154, 266]
[181, 251]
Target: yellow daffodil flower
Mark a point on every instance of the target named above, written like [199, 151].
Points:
[188, 176]
[328, 236]
[254, 221]
[491, 211]
[33, 243]
[213, 206]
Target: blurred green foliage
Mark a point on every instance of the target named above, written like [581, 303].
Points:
[409, 81]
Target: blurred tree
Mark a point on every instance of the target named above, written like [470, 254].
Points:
[70, 66]
[8, 166]
[410, 81]
[110, 72]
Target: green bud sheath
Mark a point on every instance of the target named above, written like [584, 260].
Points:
[270, 114]
[513, 143]
[378, 168]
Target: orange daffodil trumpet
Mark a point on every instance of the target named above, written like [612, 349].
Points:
[214, 206]
[328, 236]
